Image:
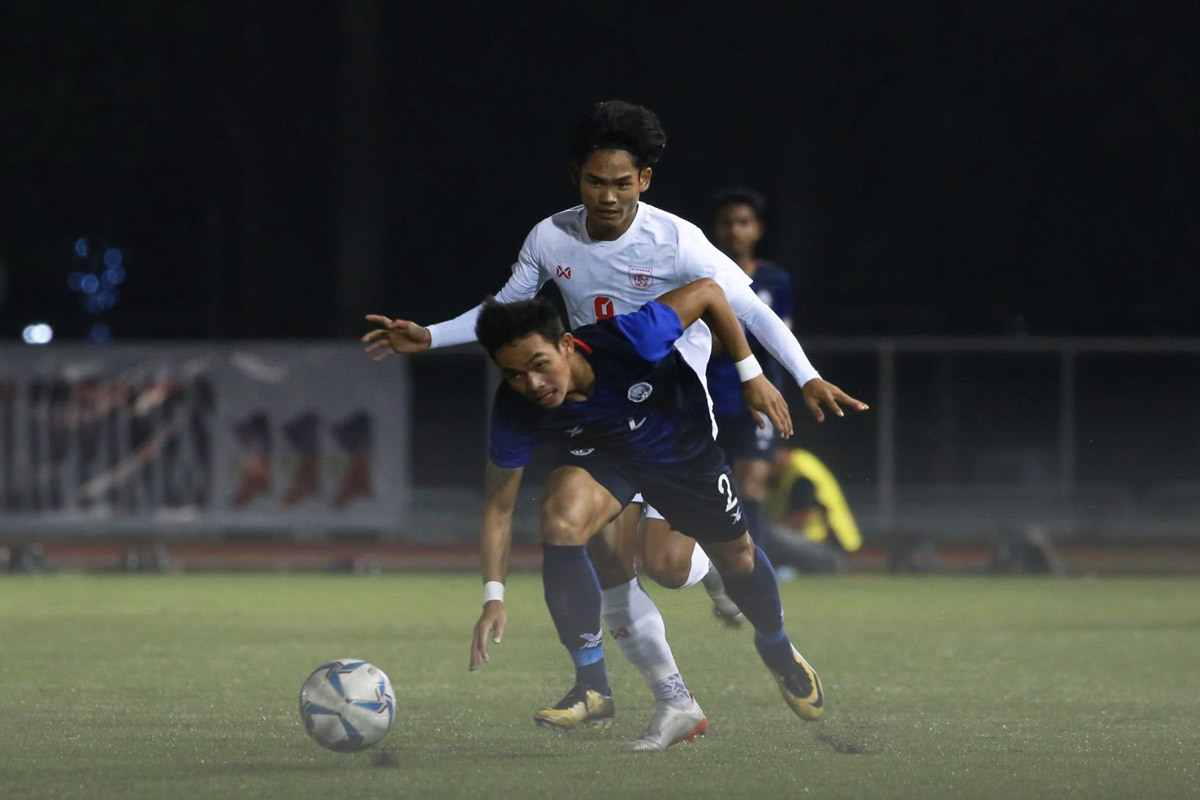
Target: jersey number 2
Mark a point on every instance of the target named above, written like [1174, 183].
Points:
[604, 308]
[725, 487]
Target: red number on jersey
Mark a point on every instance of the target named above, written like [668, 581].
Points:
[604, 308]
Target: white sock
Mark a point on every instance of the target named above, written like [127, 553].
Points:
[637, 626]
[700, 567]
[670, 690]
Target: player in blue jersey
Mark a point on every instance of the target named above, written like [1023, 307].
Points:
[632, 417]
[737, 229]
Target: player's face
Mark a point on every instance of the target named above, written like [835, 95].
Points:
[609, 185]
[537, 369]
[737, 230]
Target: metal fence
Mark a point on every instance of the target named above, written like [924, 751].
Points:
[967, 439]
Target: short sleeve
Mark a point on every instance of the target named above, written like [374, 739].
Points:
[652, 329]
[510, 441]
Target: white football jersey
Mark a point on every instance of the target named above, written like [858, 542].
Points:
[601, 279]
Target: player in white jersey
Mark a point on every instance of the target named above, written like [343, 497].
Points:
[608, 256]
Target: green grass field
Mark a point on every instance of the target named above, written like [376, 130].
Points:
[185, 687]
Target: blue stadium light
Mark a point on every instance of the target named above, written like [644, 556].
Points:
[107, 299]
[100, 333]
[94, 304]
[75, 281]
[90, 284]
[113, 257]
[81, 247]
[37, 333]
[113, 276]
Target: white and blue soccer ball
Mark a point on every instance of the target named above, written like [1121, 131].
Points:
[347, 704]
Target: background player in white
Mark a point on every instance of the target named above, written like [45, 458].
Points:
[608, 256]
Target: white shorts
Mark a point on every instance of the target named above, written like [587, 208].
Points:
[651, 511]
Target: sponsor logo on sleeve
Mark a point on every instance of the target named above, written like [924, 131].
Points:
[563, 272]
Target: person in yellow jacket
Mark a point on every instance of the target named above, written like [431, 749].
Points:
[812, 525]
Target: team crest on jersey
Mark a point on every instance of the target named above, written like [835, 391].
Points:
[639, 392]
[586, 451]
[641, 277]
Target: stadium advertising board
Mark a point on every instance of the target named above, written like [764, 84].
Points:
[192, 440]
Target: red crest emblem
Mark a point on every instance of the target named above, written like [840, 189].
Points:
[564, 272]
[641, 277]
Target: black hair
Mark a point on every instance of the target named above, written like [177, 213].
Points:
[617, 125]
[501, 324]
[739, 196]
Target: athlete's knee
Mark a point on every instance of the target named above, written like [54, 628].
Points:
[565, 522]
[668, 566]
[732, 559]
[667, 555]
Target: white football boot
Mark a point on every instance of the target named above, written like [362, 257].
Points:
[668, 726]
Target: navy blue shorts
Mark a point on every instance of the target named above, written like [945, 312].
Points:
[697, 497]
[740, 438]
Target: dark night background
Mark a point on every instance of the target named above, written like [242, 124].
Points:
[275, 172]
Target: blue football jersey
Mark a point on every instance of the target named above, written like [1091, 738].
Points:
[647, 404]
[773, 285]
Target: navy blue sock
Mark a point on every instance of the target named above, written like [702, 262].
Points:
[573, 597]
[756, 522]
[757, 595]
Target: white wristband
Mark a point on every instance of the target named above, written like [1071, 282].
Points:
[493, 590]
[748, 368]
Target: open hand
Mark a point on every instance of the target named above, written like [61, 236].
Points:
[397, 335]
[490, 626]
[762, 396]
[817, 392]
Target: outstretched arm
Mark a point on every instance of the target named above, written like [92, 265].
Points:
[495, 542]
[393, 336]
[704, 299]
[778, 339]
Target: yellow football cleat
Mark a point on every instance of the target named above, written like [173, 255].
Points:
[801, 688]
[580, 707]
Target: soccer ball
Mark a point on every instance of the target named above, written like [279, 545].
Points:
[347, 704]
